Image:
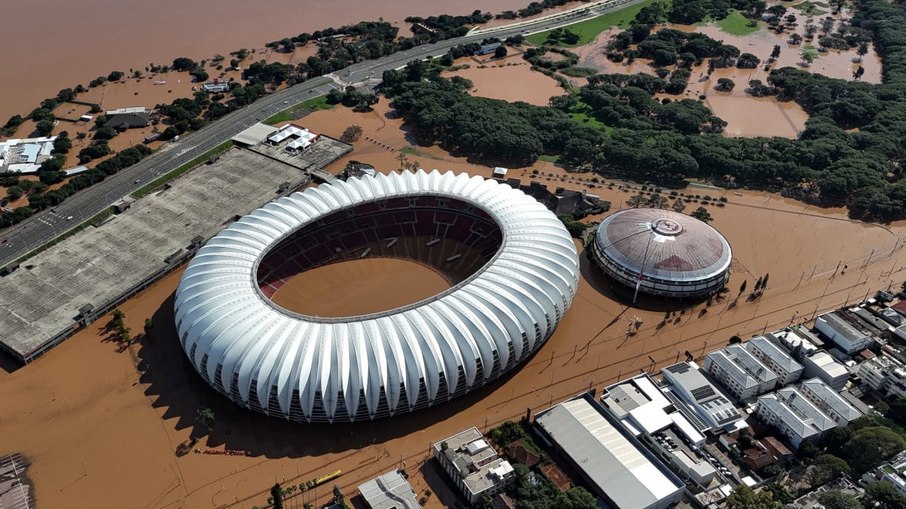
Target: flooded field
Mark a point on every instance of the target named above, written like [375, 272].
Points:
[90, 416]
[747, 115]
[359, 287]
[78, 41]
[511, 79]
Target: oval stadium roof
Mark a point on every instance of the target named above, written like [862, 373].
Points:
[320, 369]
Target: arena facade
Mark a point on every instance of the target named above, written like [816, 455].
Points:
[662, 253]
[514, 265]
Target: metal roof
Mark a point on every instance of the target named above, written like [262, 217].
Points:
[493, 320]
[766, 347]
[608, 458]
[389, 491]
[664, 244]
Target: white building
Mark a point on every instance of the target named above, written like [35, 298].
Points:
[473, 465]
[612, 462]
[767, 351]
[847, 337]
[300, 138]
[389, 491]
[894, 472]
[822, 365]
[740, 372]
[797, 341]
[885, 375]
[25, 155]
[793, 415]
[829, 401]
[707, 401]
[645, 411]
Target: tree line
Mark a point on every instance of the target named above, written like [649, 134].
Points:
[848, 154]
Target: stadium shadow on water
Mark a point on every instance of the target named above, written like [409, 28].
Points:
[616, 292]
[172, 385]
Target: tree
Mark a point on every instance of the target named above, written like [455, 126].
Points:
[725, 84]
[44, 127]
[702, 214]
[149, 324]
[775, 53]
[105, 133]
[184, 64]
[16, 192]
[500, 52]
[115, 76]
[884, 494]
[656, 201]
[862, 50]
[836, 499]
[742, 287]
[744, 498]
[808, 54]
[870, 446]
[637, 201]
[780, 492]
[827, 468]
[205, 418]
[678, 205]
[277, 496]
[62, 144]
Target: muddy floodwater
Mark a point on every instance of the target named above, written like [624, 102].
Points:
[359, 287]
[91, 415]
[56, 44]
[747, 115]
[511, 79]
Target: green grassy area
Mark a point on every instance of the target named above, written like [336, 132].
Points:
[97, 218]
[549, 158]
[153, 185]
[318, 103]
[737, 24]
[812, 8]
[589, 29]
[585, 119]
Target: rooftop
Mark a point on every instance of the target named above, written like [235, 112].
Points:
[825, 397]
[124, 111]
[767, 346]
[802, 407]
[608, 458]
[841, 326]
[742, 366]
[708, 399]
[389, 491]
[828, 364]
[475, 461]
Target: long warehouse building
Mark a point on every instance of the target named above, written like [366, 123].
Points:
[614, 464]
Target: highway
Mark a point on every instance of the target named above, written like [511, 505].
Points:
[43, 227]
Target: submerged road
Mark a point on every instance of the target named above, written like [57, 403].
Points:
[45, 226]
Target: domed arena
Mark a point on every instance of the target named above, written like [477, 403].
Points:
[515, 271]
[662, 253]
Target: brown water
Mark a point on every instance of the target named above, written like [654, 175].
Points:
[55, 44]
[511, 79]
[90, 417]
[359, 287]
[747, 115]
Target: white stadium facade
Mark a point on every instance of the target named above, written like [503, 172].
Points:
[515, 271]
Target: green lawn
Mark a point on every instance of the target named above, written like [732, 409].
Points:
[318, 103]
[153, 185]
[589, 29]
[737, 24]
[812, 8]
[549, 158]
